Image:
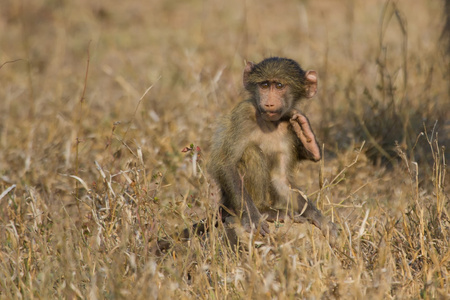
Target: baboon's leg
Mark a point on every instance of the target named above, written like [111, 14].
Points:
[315, 217]
[254, 169]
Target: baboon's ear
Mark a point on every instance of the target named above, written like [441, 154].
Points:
[311, 83]
[248, 68]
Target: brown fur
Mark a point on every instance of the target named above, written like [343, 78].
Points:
[256, 147]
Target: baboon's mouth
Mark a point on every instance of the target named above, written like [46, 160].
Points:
[271, 115]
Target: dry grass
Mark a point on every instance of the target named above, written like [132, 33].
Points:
[92, 173]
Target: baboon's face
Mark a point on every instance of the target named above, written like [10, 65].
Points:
[274, 99]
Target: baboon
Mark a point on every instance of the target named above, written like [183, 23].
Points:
[256, 147]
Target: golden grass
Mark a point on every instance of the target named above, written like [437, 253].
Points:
[92, 173]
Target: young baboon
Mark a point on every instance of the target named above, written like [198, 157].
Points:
[256, 147]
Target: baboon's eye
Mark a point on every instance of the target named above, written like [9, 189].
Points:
[279, 85]
[264, 84]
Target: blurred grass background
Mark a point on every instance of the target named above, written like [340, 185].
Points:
[91, 168]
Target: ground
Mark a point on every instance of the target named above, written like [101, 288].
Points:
[99, 98]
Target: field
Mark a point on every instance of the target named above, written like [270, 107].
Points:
[99, 98]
